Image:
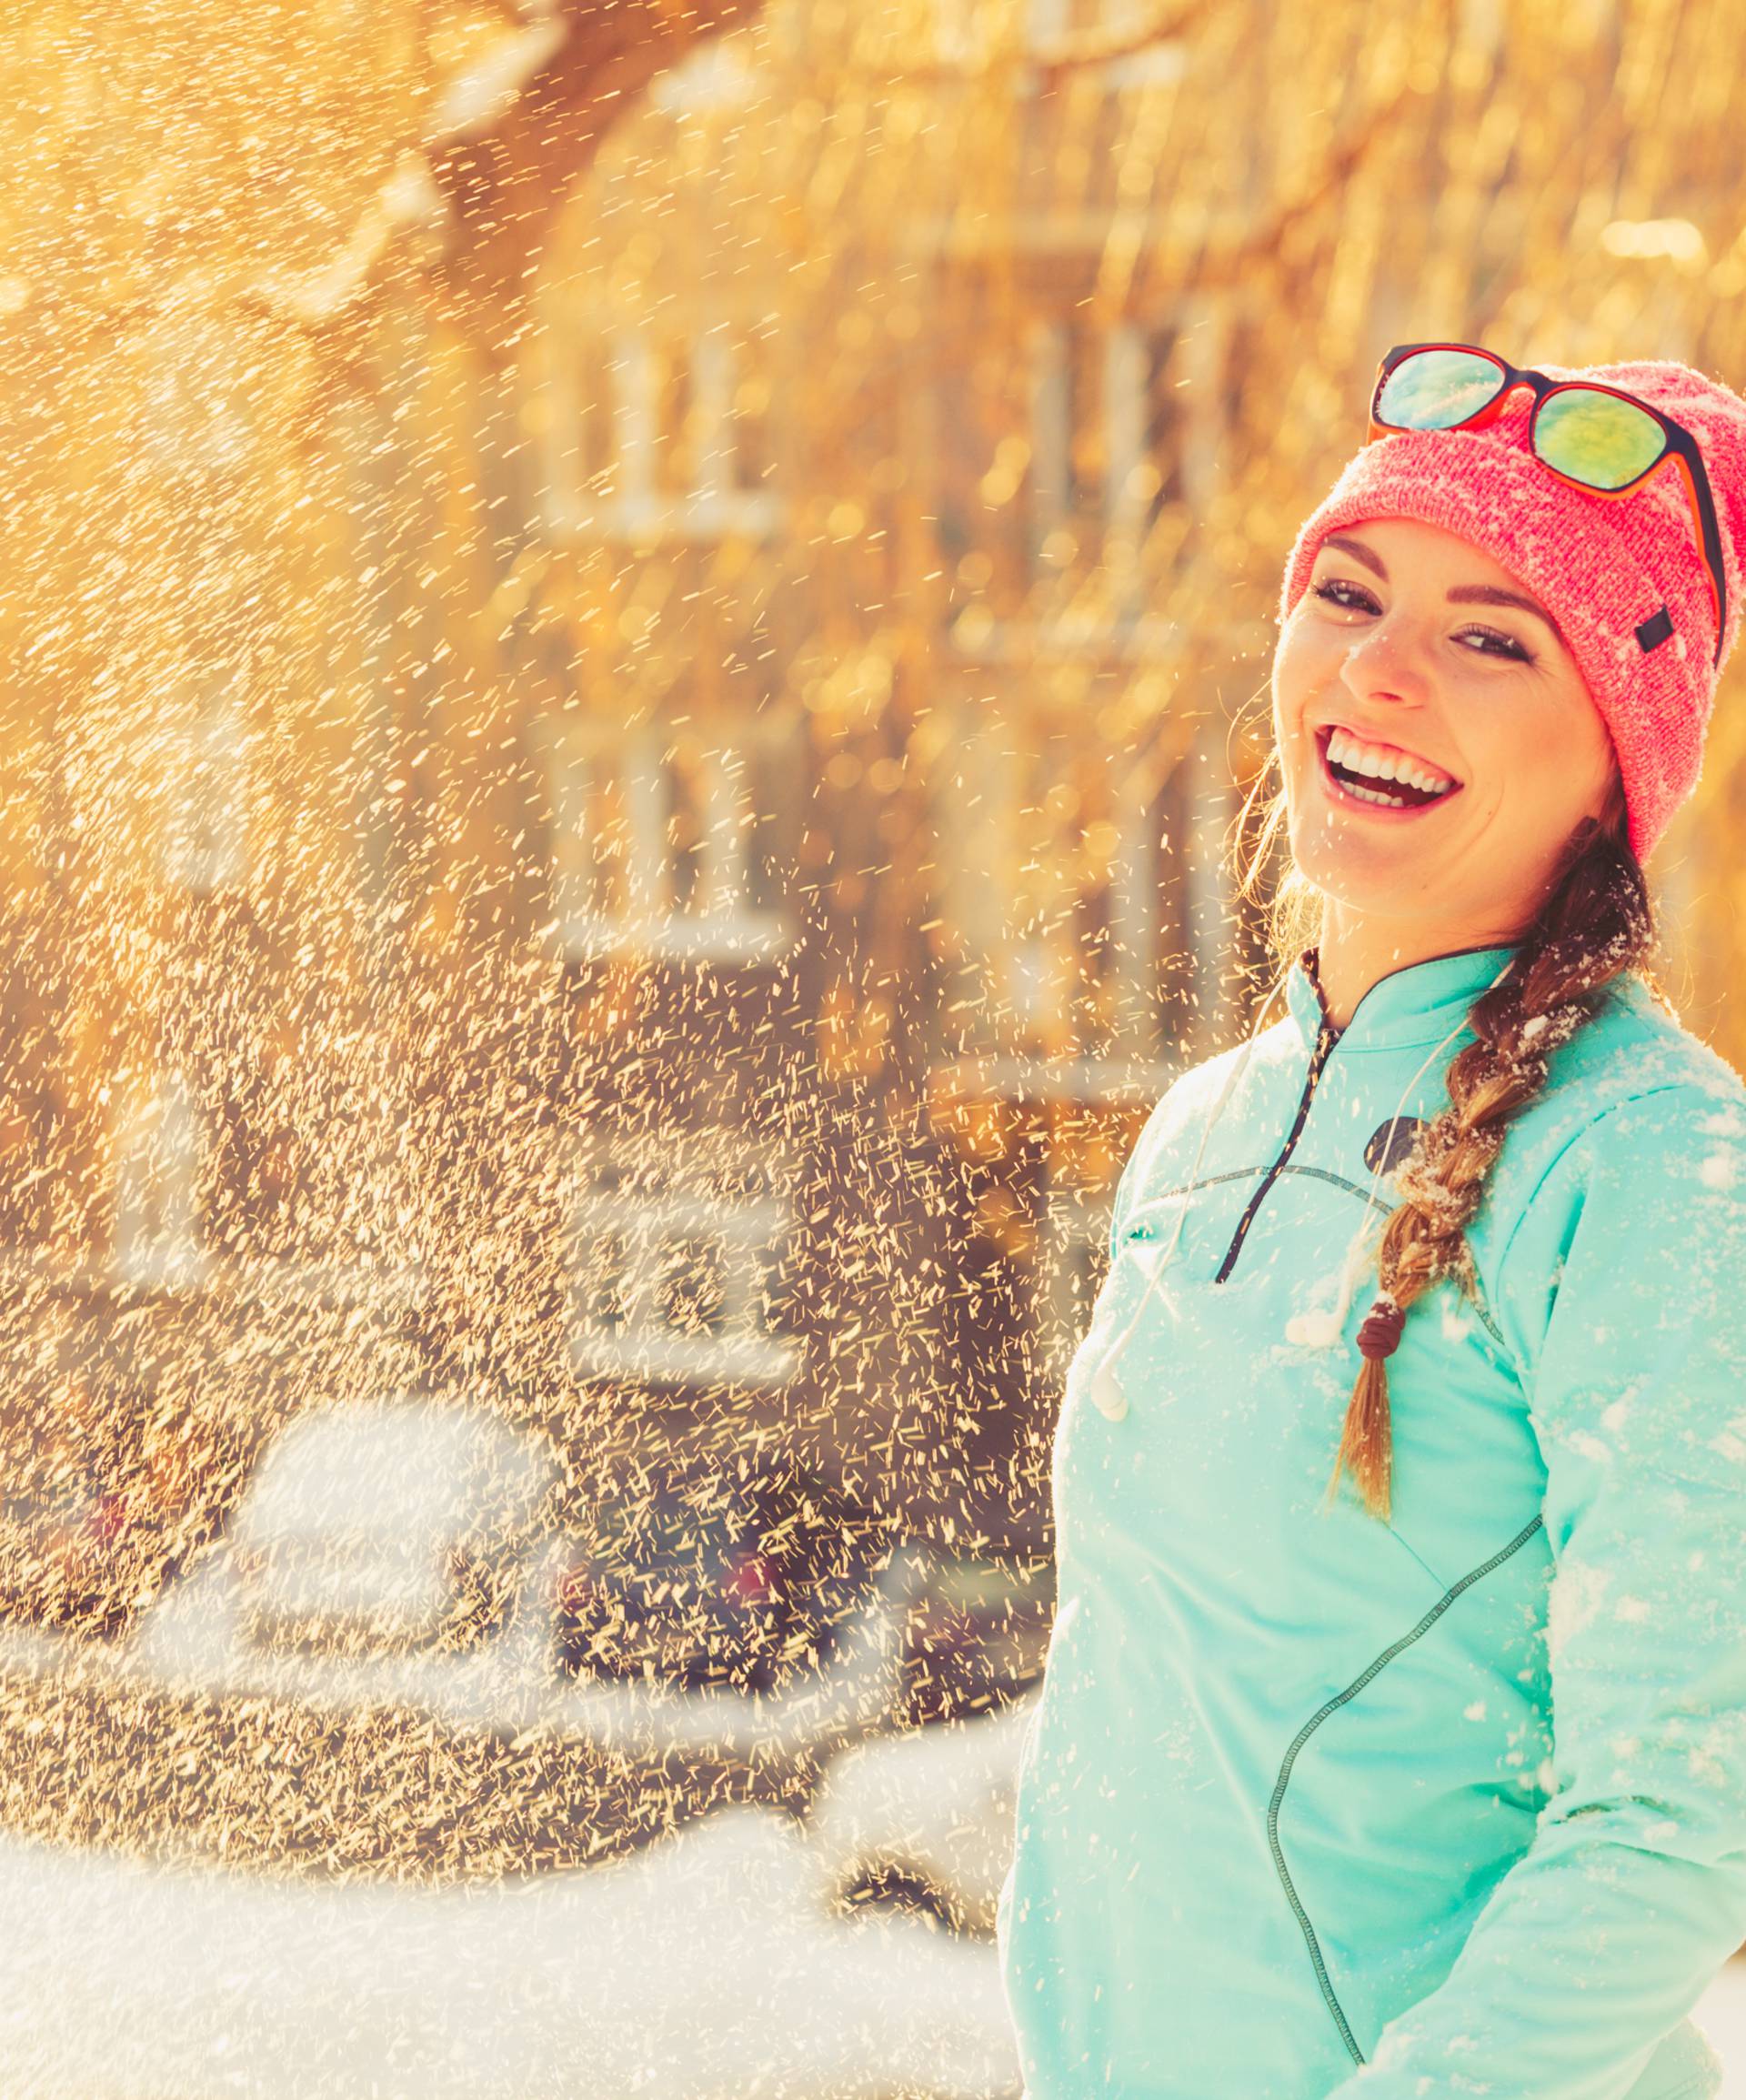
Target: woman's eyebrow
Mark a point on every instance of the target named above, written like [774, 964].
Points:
[1494, 594]
[1463, 594]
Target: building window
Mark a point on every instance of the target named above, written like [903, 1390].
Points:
[666, 845]
[584, 441]
[678, 1247]
[1066, 442]
[160, 1165]
[1087, 901]
[1142, 415]
[669, 412]
[205, 836]
[665, 434]
[749, 431]
[1106, 436]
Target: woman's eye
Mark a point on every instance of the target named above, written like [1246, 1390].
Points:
[1510, 646]
[1333, 587]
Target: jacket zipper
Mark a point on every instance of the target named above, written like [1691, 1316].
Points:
[1326, 1037]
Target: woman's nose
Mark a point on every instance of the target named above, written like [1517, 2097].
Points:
[1386, 659]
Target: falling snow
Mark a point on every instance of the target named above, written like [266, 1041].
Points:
[634, 641]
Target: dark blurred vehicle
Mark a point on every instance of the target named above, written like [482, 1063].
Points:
[977, 1637]
[734, 1581]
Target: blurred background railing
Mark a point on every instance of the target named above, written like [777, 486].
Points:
[633, 640]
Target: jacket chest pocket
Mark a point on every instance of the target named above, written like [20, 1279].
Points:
[1140, 1304]
[1190, 1229]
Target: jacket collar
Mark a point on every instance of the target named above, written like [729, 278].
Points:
[1409, 1009]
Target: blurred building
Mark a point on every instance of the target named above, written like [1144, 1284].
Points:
[629, 705]
[848, 534]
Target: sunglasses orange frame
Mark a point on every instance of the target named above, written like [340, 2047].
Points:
[1679, 444]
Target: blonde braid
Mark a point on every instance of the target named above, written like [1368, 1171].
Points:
[1595, 925]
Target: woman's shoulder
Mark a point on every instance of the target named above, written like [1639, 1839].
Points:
[1634, 1047]
[1635, 1091]
[1623, 1184]
[1191, 1093]
[1188, 1102]
[1635, 1026]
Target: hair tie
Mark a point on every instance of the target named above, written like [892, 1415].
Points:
[1380, 1334]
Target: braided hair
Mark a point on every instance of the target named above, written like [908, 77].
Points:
[1594, 925]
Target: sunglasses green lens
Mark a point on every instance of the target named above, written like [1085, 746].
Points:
[1597, 437]
[1434, 389]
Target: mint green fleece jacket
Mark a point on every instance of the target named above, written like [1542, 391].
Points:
[1317, 1807]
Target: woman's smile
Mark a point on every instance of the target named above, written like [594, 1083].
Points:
[1378, 779]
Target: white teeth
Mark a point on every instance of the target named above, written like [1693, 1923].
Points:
[1344, 750]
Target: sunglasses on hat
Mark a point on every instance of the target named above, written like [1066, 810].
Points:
[1599, 438]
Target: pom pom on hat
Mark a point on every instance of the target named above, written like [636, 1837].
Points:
[1625, 579]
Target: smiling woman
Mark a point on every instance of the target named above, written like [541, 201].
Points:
[1434, 1786]
[1383, 652]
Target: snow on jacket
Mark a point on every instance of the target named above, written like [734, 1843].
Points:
[1317, 1807]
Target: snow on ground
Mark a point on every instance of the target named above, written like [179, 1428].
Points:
[936, 1804]
[716, 1965]
[703, 1969]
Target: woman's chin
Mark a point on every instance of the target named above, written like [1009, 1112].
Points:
[1372, 881]
[1365, 866]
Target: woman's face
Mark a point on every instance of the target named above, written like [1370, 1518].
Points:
[1401, 658]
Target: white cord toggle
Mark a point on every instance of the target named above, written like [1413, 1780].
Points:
[1315, 1329]
[1107, 1395]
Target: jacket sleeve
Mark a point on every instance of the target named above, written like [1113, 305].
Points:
[1622, 1293]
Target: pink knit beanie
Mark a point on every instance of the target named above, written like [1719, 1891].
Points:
[1625, 579]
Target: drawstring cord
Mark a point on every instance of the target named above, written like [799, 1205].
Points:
[1309, 1330]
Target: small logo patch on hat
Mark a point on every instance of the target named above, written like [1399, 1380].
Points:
[1655, 631]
